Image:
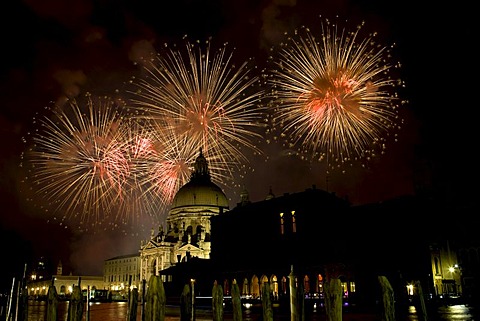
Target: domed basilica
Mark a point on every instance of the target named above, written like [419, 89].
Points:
[188, 226]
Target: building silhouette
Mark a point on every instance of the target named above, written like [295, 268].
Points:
[321, 236]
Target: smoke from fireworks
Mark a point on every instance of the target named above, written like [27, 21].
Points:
[200, 100]
[334, 96]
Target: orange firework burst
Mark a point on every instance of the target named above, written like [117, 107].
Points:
[205, 102]
[335, 96]
[78, 164]
[83, 164]
[168, 168]
[144, 204]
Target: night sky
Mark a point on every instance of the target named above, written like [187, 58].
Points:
[53, 48]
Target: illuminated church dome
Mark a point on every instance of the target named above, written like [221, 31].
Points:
[200, 190]
[188, 225]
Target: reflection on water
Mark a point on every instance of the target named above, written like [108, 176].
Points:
[96, 311]
[110, 311]
[458, 312]
[114, 311]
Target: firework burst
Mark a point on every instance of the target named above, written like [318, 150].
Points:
[83, 162]
[202, 101]
[334, 97]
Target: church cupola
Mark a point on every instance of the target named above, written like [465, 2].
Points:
[200, 169]
[270, 194]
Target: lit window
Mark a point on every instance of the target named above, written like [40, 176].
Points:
[282, 230]
[352, 286]
[294, 224]
[306, 284]
[345, 289]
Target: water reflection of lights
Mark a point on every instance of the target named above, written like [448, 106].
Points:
[458, 312]
[459, 309]
[412, 310]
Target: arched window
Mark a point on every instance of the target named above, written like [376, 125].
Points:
[264, 279]
[62, 289]
[198, 233]
[274, 286]
[255, 287]
[306, 284]
[245, 289]
[319, 285]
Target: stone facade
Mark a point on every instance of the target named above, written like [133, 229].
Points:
[121, 272]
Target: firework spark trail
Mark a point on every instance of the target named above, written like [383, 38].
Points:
[168, 166]
[78, 163]
[205, 101]
[334, 97]
[160, 164]
[140, 205]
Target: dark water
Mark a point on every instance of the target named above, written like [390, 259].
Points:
[110, 311]
[114, 311]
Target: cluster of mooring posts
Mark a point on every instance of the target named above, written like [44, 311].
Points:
[153, 302]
